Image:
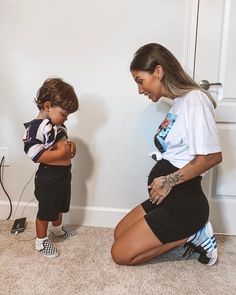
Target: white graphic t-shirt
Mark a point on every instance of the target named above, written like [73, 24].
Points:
[189, 129]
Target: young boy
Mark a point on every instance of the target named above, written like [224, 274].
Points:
[45, 142]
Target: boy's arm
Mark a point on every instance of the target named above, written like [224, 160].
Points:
[72, 148]
[56, 155]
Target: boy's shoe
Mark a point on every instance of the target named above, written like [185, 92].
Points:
[66, 233]
[203, 243]
[47, 249]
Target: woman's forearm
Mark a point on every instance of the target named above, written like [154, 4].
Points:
[196, 167]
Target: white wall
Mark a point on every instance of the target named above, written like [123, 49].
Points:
[90, 44]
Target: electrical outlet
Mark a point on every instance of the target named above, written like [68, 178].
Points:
[4, 151]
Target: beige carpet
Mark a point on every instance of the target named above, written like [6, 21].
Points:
[85, 267]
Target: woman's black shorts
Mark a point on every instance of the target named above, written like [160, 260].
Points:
[182, 213]
[52, 190]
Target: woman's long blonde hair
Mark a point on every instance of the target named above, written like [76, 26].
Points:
[175, 79]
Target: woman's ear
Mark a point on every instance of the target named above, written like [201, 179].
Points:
[46, 106]
[159, 73]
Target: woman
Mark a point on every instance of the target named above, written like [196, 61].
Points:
[187, 142]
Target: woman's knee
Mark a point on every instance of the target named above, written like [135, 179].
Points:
[119, 255]
[117, 232]
[129, 220]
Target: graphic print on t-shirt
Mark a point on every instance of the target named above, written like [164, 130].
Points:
[163, 130]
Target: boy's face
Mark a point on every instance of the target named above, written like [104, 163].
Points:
[56, 114]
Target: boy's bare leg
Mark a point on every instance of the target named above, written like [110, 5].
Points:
[41, 228]
[58, 221]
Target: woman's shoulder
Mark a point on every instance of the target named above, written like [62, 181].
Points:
[197, 99]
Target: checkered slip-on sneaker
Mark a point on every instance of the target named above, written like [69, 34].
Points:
[47, 249]
[68, 233]
[203, 243]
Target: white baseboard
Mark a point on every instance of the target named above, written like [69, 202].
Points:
[81, 215]
[109, 217]
[222, 215]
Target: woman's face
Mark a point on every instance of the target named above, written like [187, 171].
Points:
[150, 84]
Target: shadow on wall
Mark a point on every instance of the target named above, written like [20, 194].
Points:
[82, 170]
[92, 116]
[151, 118]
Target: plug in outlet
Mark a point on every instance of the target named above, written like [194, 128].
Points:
[4, 151]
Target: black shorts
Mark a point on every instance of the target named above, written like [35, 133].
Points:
[182, 213]
[52, 190]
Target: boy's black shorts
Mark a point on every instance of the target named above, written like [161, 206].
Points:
[52, 190]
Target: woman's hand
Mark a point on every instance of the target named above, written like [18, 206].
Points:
[161, 186]
[159, 189]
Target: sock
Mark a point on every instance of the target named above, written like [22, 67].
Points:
[197, 235]
[38, 240]
[191, 238]
[57, 230]
[39, 243]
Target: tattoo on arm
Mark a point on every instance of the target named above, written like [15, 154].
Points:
[172, 179]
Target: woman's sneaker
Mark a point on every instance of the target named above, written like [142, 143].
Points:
[47, 249]
[203, 243]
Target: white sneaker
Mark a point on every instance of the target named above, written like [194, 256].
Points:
[66, 233]
[47, 249]
[204, 243]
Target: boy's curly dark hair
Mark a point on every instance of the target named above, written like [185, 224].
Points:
[58, 93]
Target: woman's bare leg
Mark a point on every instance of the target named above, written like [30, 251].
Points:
[138, 244]
[132, 217]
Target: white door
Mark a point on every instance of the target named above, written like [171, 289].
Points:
[216, 62]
